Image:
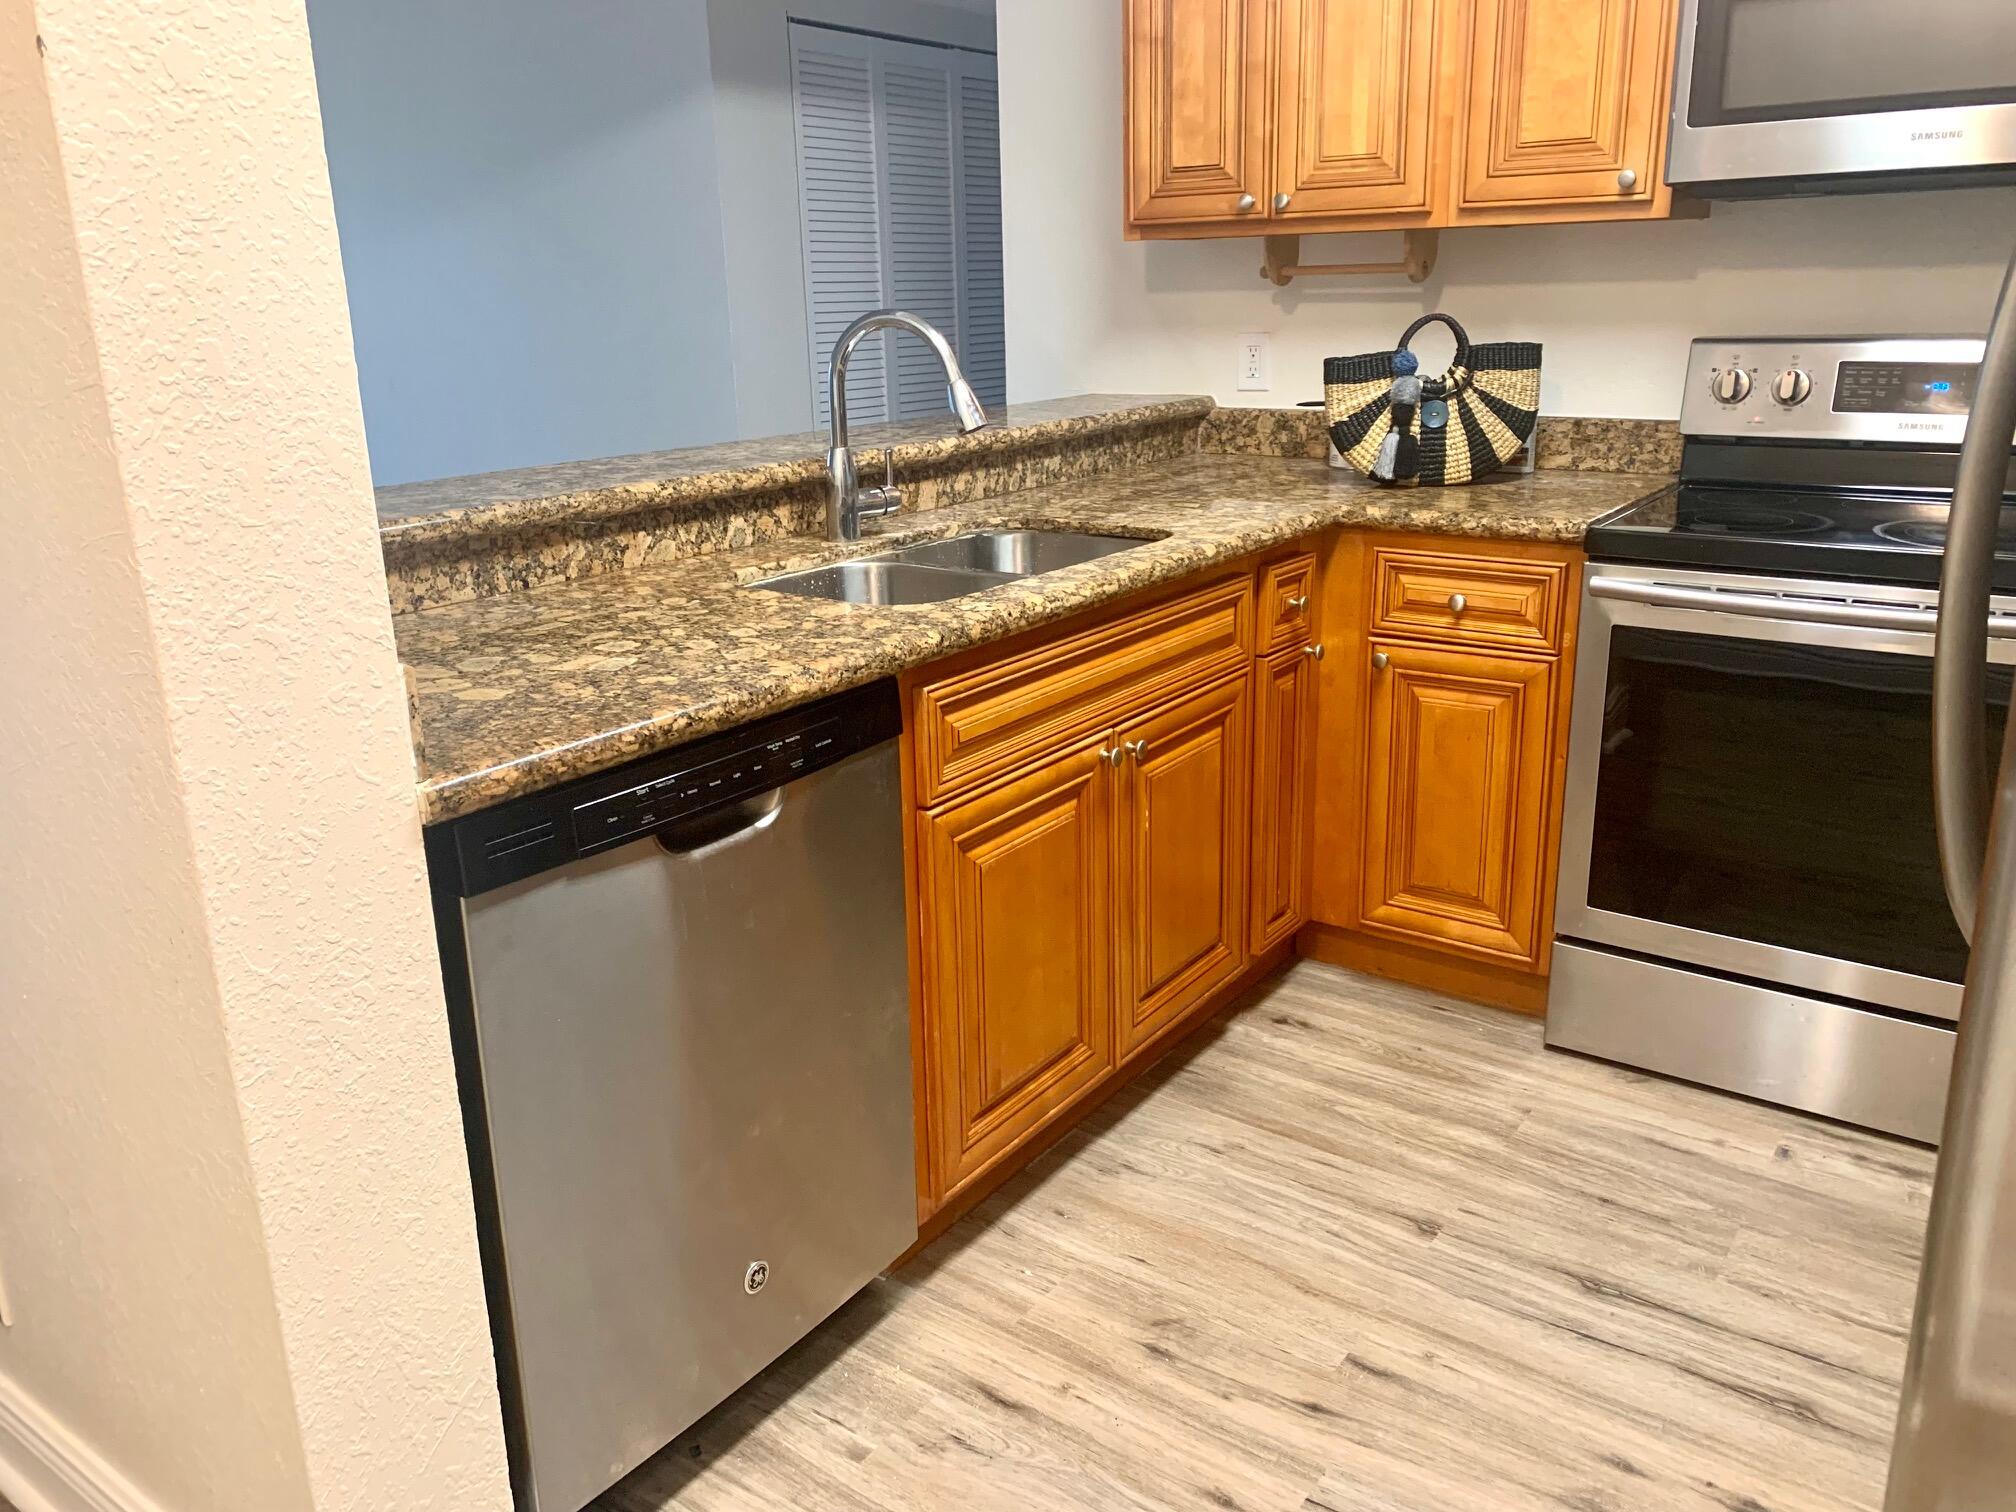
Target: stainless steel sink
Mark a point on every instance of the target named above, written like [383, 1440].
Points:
[1025, 553]
[952, 568]
[872, 581]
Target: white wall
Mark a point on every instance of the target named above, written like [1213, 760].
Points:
[235, 1217]
[1614, 306]
[130, 1243]
[759, 180]
[529, 207]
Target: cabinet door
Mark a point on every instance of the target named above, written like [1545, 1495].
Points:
[1456, 797]
[1184, 809]
[1197, 104]
[1284, 732]
[1017, 926]
[1355, 118]
[1567, 102]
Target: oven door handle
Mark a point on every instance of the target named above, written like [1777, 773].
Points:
[1773, 607]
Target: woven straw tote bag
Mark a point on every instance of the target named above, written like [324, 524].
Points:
[1397, 427]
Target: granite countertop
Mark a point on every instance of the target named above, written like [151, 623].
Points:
[413, 514]
[518, 692]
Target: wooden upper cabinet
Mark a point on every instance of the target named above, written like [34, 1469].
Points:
[1182, 879]
[1198, 97]
[1017, 962]
[1355, 108]
[1567, 103]
[1456, 791]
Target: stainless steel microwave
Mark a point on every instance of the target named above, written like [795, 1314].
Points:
[1775, 97]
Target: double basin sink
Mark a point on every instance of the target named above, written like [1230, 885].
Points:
[931, 571]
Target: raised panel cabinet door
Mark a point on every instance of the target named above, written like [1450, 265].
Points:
[1197, 108]
[1184, 807]
[1017, 929]
[1567, 99]
[1456, 774]
[1284, 735]
[1355, 106]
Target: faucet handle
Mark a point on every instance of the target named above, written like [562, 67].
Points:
[872, 503]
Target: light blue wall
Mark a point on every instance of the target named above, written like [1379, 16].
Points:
[528, 200]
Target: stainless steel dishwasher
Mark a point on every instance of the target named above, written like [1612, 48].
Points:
[681, 1023]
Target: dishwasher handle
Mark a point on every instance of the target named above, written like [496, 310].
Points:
[717, 829]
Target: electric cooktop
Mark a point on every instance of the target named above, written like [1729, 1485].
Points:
[1872, 537]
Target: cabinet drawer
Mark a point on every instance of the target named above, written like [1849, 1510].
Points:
[1472, 599]
[1287, 602]
[982, 723]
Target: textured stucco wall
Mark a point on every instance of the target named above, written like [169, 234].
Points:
[206, 244]
[129, 1227]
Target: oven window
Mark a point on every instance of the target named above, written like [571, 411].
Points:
[1776, 60]
[1776, 793]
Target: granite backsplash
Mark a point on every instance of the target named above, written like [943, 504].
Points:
[460, 539]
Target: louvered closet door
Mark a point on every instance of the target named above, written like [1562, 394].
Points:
[900, 199]
[983, 332]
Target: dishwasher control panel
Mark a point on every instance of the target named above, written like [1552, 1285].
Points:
[692, 790]
[529, 835]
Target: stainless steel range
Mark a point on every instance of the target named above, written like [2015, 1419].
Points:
[1750, 891]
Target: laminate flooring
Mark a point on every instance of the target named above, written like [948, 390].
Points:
[1358, 1249]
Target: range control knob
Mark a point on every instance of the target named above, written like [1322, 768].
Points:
[1792, 387]
[1731, 385]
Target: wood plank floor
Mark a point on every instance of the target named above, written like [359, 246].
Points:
[1356, 1249]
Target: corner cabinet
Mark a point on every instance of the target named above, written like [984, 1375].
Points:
[1443, 740]
[1272, 117]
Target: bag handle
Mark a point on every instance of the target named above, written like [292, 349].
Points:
[1462, 357]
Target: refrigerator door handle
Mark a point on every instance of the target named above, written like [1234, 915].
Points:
[1960, 792]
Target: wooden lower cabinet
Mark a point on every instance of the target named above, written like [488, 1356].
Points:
[1284, 725]
[1016, 943]
[1182, 875]
[1456, 790]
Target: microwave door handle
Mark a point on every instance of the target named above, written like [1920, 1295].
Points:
[1960, 790]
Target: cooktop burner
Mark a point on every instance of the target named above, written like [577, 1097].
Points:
[1754, 520]
[1870, 536]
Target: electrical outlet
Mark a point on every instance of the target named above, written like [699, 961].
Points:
[6, 1312]
[1253, 361]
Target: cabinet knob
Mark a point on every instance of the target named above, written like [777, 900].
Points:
[1458, 603]
[1135, 748]
[1280, 202]
[1628, 180]
[1113, 757]
[1317, 651]
[1299, 602]
[1379, 661]
[1246, 202]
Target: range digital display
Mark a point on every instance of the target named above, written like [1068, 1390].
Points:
[1903, 388]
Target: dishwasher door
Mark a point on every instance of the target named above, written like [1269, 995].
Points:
[695, 1056]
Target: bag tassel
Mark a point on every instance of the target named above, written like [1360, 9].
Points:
[1399, 452]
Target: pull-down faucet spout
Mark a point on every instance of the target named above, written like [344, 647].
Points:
[847, 502]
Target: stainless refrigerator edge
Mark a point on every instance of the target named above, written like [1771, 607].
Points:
[1956, 1430]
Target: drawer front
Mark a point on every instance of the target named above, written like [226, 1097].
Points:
[1287, 603]
[980, 724]
[1472, 599]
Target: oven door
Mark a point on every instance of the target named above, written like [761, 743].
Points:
[1800, 89]
[1750, 787]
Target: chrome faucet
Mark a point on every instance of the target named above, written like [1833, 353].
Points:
[847, 502]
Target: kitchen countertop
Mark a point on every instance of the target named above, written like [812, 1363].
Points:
[518, 692]
[445, 509]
